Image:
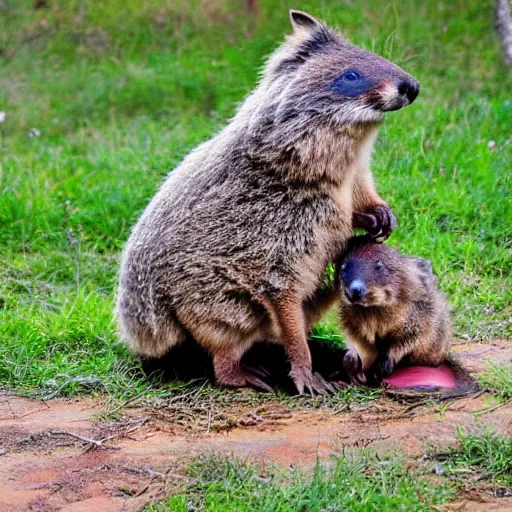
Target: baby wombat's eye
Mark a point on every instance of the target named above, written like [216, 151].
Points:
[379, 265]
[343, 266]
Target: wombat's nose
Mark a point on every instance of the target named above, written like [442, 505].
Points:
[409, 88]
[356, 290]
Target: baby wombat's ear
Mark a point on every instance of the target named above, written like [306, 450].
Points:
[426, 272]
[424, 265]
[302, 22]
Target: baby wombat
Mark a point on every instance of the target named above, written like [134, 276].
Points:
[234, 247]
[391, 311]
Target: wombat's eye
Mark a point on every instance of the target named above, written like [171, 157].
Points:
[351, 76]
[351, 84]
[343, 266]
[379, 265]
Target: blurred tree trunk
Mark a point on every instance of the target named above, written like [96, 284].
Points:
[252, 6]
[503, 20]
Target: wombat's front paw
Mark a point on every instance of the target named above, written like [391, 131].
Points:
[311, 383]
[353, 367]
[379, 370]
[378, 221]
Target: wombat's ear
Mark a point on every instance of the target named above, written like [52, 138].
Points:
[302, 22]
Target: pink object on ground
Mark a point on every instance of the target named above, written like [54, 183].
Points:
[423, 377]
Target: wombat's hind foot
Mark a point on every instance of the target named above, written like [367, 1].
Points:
[229, 372]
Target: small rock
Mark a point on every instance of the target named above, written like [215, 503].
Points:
[439, 469]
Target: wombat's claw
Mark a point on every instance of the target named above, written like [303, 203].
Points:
[364, 221]
[383, 222]
[358, 379]
[339, 384]
[313, 384]
[242, 378]
[379, 371]
[259, 371]
[354, 368]
[255, 382]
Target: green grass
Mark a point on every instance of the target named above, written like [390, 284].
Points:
[352, 482]
[121, 91]
[498, 379]
[486, 455]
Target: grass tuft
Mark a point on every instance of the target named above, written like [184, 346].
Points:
[356, 482]
[486, 455]
[498, 379]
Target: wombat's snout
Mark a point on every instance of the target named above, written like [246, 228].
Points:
[355, 291]
[399, 95]
[410, 89]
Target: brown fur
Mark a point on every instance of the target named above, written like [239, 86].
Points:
[234, 247]
[402, 314]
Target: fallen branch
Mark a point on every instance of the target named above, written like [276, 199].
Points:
[96, 443]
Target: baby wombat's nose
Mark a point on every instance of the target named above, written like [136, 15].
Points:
[356, 290]
[409, 88]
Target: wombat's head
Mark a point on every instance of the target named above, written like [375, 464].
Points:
[373, 274]
[319, 73]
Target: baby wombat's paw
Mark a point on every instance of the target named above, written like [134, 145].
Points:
[378, 221]
[353, 367]
[379, 370]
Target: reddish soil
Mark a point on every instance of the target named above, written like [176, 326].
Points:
[42, 470]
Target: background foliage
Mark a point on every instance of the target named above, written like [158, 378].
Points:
[102, 99]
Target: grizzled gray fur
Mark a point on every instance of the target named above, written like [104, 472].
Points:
[234, 246]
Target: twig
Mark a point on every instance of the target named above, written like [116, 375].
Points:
[124, 404]
[94, 442]
[153, 474]
[209, 417]
[98, 443]
[145, 471]
[411, 407]
[479, 412]
[82, 381]
[339, 410]
[141, 491]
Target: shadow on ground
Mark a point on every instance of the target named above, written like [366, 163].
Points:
[189, 361]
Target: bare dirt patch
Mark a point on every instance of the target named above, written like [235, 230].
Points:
[57, 456]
